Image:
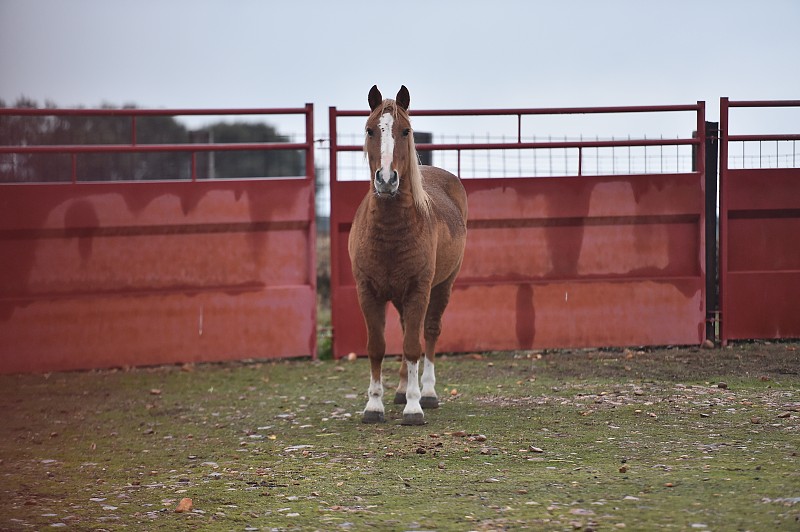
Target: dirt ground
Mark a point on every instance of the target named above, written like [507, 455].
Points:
[589, 439]
[759, 359]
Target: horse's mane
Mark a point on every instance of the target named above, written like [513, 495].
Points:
[421, 198]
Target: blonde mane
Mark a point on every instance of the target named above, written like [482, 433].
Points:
[421, 198]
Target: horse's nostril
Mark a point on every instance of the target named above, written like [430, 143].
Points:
[394, 177]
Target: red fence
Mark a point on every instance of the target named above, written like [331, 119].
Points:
[113, 274]
[759, 238]
[102, 274]
[560, 261]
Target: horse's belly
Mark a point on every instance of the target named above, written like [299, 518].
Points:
[448, 259]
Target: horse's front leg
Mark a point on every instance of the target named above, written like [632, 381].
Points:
[414, 312]
[375, 317]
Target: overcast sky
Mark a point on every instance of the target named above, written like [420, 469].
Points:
[450, 54]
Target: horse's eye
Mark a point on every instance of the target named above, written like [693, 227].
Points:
[369, 132]
[405, 132]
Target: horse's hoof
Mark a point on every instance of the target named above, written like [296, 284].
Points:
[429, 403]
[373, 417]
[400, 398]
[413, 419]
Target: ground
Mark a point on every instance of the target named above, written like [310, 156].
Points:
[672, 439]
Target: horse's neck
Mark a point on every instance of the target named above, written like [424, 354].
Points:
[401, 207]
[399, 212]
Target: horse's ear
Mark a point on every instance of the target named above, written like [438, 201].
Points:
[403, 98]
[375, 98]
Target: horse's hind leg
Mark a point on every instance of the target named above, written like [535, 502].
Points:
[440, 296]
[400, 394]
[375, 316]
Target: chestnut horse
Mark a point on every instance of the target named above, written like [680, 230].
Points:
[406, 246]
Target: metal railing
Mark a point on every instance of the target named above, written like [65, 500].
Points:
[520, 143]
[135, 146]
[754, 158]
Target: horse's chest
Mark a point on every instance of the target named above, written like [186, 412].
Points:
[392, 268]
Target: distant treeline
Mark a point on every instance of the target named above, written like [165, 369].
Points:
[103, 130]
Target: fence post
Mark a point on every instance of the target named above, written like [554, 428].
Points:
[426, 156]
[712, 145]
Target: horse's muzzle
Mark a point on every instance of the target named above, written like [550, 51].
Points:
[386, 182]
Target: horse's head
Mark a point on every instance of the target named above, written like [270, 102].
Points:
[389, 144]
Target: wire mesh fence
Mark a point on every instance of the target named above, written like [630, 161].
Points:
[535, 162]
[763, 154]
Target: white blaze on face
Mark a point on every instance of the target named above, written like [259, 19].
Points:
[387, 144]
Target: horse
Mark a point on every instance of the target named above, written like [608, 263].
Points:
[406, 246]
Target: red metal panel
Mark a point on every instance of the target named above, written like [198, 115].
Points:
[759, 240]
[763, 305]
[121, 274]
[555, 262]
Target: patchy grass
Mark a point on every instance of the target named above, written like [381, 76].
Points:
[681, 439]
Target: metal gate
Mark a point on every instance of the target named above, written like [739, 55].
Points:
[108, 274]
[759, 233]
[559, 261]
